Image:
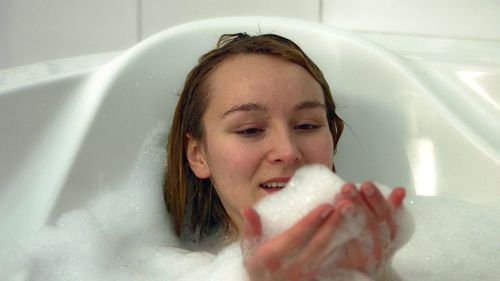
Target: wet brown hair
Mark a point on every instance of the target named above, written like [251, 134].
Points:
[193, 201]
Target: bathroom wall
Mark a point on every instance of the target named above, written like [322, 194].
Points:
[158, 14]
[32, 31]
[461, 19]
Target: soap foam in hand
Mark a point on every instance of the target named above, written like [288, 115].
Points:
[312, 186]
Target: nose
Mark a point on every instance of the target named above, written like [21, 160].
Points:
[284, 148]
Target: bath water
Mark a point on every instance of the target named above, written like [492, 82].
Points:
[126, 235]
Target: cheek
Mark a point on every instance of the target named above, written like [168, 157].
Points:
[232, 164]
[233, 168]
[320, 150]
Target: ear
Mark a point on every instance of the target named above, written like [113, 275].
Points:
[196, 158]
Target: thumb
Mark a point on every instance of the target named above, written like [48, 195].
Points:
[252, 230]
[252, 227]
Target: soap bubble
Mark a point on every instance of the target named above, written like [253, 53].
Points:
[312, 186]
[125, 235]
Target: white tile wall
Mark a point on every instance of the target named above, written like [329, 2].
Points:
[33, 31]
[464, 19]
[160, 14]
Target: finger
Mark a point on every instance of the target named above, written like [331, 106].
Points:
[354, 259]
[251, 232]
[307, 274]
[301, 232]
[376, 201]
[358, 260]
[350, 191]
[379, 205]
[287, 243]
[252, 227]
[397, 196]
[319, 243]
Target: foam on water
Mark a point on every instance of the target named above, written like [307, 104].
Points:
[125, 235]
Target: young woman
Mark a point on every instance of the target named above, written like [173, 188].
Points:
[251, 113]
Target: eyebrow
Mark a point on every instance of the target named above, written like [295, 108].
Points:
[309, 104]
[245, 107]
[259, 107]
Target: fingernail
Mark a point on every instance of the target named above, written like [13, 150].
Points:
[349, 191]
[369, 190]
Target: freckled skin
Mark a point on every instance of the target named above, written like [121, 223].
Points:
[257, 130]
[246, 148]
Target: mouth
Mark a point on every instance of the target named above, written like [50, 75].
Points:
[274, 185]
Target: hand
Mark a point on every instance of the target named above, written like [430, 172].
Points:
[295, 254]
[377, 211]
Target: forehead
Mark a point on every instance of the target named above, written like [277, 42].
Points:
[245, 75]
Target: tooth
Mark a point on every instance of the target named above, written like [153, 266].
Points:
[274, 184]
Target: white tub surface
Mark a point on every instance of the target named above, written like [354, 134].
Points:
[430, 126]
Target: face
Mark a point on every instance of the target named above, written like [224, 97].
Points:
[266, 118]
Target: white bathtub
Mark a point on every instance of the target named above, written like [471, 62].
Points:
[65, 138]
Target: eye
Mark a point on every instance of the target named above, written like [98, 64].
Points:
[249, 132]
[306, 127]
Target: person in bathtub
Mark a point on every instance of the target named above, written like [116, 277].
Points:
[252, 112]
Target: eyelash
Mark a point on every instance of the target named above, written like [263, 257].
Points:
[306, 127]
[248, 132]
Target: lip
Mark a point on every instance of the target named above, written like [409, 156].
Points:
[281, 179]
[272, 190]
